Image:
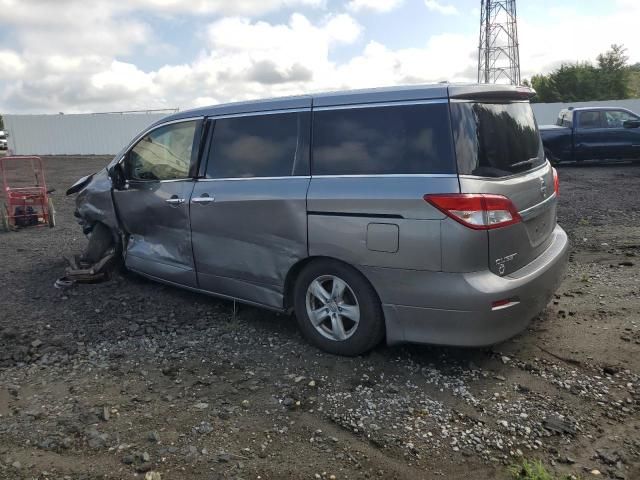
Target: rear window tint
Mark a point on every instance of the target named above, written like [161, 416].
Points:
[495, 139]
[590, 119]
[405, 139]
[273, 145]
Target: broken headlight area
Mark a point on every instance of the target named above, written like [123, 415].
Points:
[96, 215]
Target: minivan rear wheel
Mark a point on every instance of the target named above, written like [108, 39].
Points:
[337, 308]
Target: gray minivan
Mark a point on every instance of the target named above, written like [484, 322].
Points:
[417, 214]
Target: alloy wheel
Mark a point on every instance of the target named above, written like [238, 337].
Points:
[332, 307]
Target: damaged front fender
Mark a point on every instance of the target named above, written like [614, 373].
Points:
[94, 203]
[79, 185]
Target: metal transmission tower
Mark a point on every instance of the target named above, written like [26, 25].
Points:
[498, 53]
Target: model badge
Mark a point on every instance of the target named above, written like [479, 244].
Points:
[502, 262]
[543, 187]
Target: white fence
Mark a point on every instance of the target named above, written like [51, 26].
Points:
[107, 133]
[547, 113]
[75, 134]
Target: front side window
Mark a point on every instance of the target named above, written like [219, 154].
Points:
[589, 119]
[409, 139]
[163, 154]
[616, 118]
[268, 145]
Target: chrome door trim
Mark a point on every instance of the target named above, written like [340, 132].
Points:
[287, 177]
[534, 210]
[258, 113]
[382, 104]
[173, 180]
[203, 200]
[155, 127]
[393, 175]
[251, 178]
[508, 177]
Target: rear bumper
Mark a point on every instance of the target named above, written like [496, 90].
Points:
[456, 308]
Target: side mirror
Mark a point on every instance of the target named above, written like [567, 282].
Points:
[631, 124]
[117, 175]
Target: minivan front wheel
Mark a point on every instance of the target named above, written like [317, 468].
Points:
[337, 309]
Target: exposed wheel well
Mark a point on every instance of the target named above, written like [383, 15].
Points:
[101, 238]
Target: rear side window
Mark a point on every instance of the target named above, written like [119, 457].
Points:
[495, 139]
[590, 119]
[270, 145]
[405, 139]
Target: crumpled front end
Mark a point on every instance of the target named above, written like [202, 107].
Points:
[96, 214]
[94, 203]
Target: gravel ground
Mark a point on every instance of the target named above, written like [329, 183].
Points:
[132, 379]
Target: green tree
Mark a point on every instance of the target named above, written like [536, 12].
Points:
[1, 123]
[614, 72]
[634, 81]
[575, 82]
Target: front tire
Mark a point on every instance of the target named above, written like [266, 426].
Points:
[337, 308]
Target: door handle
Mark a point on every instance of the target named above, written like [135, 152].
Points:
[175, 201]
[204, 199]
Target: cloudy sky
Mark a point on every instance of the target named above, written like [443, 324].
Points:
[106, 55]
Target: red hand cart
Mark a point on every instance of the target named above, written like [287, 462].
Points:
[23, 203]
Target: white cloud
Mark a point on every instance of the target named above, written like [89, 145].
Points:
[44, 12]
[136, 80]
[13, 65]
[373, 5]
[444, 9]
[225, 7]
[82, 60]
[596, 33]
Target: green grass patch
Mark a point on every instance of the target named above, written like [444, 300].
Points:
[533, 470]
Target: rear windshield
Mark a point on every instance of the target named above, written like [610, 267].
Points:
[495, 139]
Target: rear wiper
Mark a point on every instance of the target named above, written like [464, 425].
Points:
[524, 162]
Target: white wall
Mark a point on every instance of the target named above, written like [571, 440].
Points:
[75, 134]
[108, 133]
[547, 113]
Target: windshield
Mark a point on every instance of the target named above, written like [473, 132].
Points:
[495, 139]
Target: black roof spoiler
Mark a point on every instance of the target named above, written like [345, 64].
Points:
[491, 91]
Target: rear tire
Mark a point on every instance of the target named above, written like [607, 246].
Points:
[347, 315]
[52, 214]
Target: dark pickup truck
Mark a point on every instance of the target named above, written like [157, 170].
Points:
[596, 133]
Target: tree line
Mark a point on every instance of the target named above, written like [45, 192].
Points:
[611, 78]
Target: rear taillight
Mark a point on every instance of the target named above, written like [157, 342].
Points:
[478, 211]
[556, 182]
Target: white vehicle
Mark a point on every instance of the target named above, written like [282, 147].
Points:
[3, 140]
